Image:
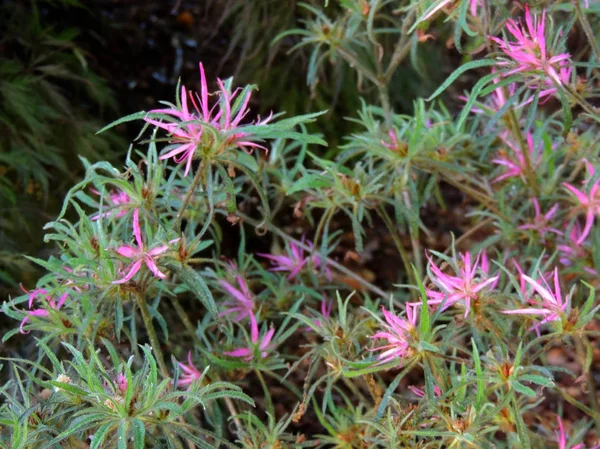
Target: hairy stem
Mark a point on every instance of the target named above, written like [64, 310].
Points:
[516, 130]
[154, 342]
[399, 246]
[587, 29]
[268, 400]
[188, 196]
[580, 346]
[183, 316]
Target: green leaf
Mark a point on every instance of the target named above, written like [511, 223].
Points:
[122, 434]
[127, 118]
[310, 181]
[566, 109]
[537, 379]
[392, 388]
[100, 435]
[520, 388]
[480, 378]
[425, 318]
[197, 285]
[139, 434]
[462, 69]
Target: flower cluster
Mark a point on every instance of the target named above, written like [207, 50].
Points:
[529, 53]
[398, 332]
[472, 279]
[196, 129]
[295, 260]
[140, 255]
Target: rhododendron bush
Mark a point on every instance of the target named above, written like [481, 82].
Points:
[429, 282]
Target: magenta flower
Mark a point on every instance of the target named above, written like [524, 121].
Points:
[590, 203]
[122, 383]
[516, 165]
[187, 134]
[561, 438]
[529, 53]
[571, 251]
[241, 303]
[395, 145]
[326, 307]
[189, 372]
[260, 344]
[548, 87]
[549, 304]
[420, 392]
[398, 333]
[140, 254]
[117, 202]
[541, 222]
[51, 303]
[295, 260]
[472, 279]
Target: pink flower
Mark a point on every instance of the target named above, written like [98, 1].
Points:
[516, 165]
[241, 303]
[189, 372]
[420, 392]
[548, 87]
[549, 304]
[139, 254]
[571, 251]
[473, 6]
[529, 52]
[51, 303]
[561, 438]
[590, 203]
[117, 202]
[260, 344]
[464, 287]
[326, 307]
[122, 383]
[398, 333]
[187, 134]
[540, 222]
[295, 260]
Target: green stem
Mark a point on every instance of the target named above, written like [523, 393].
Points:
[571, 400]
[587, 29]
[399, 246]
[185, 319]
[268, 400]
[183, 316]
[482, 198]
[154, 342]
[358, 65]
[188, 196]
[467, 234]
[529, 172]
[319, 230]
[586, 106]
[400, 52]
[589, 376]
[385, 104]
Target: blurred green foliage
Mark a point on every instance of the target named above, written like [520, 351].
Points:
[51, 105]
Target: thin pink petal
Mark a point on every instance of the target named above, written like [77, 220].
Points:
[135, 267]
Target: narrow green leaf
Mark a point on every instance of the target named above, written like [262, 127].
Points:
[462, 69]
[127, 118]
